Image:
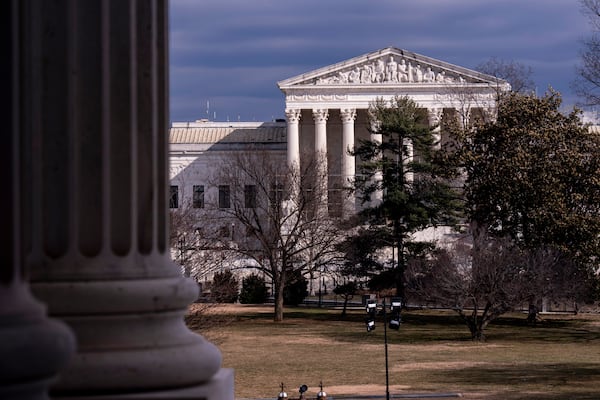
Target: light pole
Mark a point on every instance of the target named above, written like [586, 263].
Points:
[394, 323]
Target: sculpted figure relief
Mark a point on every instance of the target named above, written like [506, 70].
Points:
[429, 75]
[402, 71]
[391, 71]
[379, 71]
[365, 74]
[418, 74]
[354, 75]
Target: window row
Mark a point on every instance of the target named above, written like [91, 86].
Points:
[224, 196]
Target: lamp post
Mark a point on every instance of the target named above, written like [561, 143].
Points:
[394, 323]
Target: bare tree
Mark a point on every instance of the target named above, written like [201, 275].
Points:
[480, 280]
[196, 246]
[515, 73]
[281, 220]
[482, 277]
[587, 84]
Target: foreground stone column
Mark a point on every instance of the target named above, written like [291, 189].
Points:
[96, 179]
[32, 347]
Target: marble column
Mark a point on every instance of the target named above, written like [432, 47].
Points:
[408, 149]
[33, 348]
[320, 117]
[376, 137]
[293, 136]
[97, 241]
[435, 121]
[348, 116]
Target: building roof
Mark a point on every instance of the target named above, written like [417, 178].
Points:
[207, 132]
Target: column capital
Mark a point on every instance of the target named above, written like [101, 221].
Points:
[293, 114]
[348, 115]
[320, 114]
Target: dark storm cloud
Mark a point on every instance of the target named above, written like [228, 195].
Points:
[232, 52]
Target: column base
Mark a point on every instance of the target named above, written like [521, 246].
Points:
[220, 387]
[33, 347]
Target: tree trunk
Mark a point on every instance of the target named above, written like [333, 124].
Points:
[278, 314]
[399, 275]
[345, 306]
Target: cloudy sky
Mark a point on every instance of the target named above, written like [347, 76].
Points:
[231, 53]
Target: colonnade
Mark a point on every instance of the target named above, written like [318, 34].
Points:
[348, 162]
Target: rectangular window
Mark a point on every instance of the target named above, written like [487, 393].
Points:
[224, 231]
[250, 196]
[224, 196]
[335, 199]
[276, 194]
[198, 200]
[174, 197]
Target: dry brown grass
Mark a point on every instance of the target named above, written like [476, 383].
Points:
[431, 353]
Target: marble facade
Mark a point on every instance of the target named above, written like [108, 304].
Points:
[327, 109]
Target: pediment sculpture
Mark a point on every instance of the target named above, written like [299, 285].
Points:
[389, 69]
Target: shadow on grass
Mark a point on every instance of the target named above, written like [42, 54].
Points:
[548, 381]
[419, 327]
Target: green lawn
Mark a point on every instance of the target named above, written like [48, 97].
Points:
[432, 352]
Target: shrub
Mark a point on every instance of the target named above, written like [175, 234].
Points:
[224, 288]
[296, 290]
[254, 290]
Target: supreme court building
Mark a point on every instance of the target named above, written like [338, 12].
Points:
[327, 113]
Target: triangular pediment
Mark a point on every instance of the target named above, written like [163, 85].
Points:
[390, 66]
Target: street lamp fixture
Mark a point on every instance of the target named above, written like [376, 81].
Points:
[395, 317]
[394, 323]
[371, 309]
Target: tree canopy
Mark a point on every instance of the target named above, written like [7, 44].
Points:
[534, 175]
[402, 169]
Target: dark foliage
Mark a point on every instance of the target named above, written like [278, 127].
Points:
[254, 290]
[224, 288]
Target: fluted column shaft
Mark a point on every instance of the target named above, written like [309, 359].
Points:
[320, 118]
[435, 120]
[97, 242]
[348, 161]
[293, 136]
[33, 347]
[377, 196]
